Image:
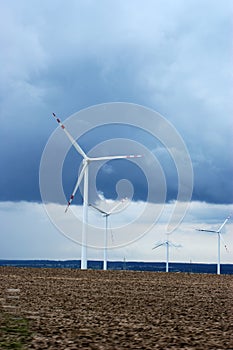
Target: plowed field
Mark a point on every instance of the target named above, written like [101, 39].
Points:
[74, 309]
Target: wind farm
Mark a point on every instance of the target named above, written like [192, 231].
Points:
[88, 307]
[84, 177]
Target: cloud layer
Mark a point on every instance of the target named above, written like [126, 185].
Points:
[32, 236]
[174, 57]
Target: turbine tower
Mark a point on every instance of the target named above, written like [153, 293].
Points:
[106, 215]
[219, 238]
[84, 175]
[167, 244]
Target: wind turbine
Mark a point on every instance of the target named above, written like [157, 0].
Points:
[84, 175]
[106, 214]
[167, 244]
[219, 238]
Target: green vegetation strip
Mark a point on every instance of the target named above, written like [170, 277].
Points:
[14, 332]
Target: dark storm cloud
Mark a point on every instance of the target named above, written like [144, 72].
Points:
[174, 57]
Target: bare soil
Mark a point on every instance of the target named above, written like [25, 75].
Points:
[74, 309]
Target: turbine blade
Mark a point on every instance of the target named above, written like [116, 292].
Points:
[198, 229]
[117, 205]
[115, 157]
[174, 245]
[100, 210]
[224, 223]
[225, 246]
[76, 186]
[158, 245]
[73, 141]
[112, 237]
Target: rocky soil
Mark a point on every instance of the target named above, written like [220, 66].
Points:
[74, 309]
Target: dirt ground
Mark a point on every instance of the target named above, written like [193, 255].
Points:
[74, 309]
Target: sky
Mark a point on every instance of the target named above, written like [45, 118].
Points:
[174, 57]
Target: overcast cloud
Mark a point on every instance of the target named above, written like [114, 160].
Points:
[172, 56]
[32, 236]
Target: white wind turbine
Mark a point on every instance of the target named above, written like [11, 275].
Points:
[106, 214]
[167, 244]
[84, 175]
[219, 238]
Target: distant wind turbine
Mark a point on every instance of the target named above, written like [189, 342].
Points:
[167, 244]
[219, 238]
[84, 175]
[106, 215]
